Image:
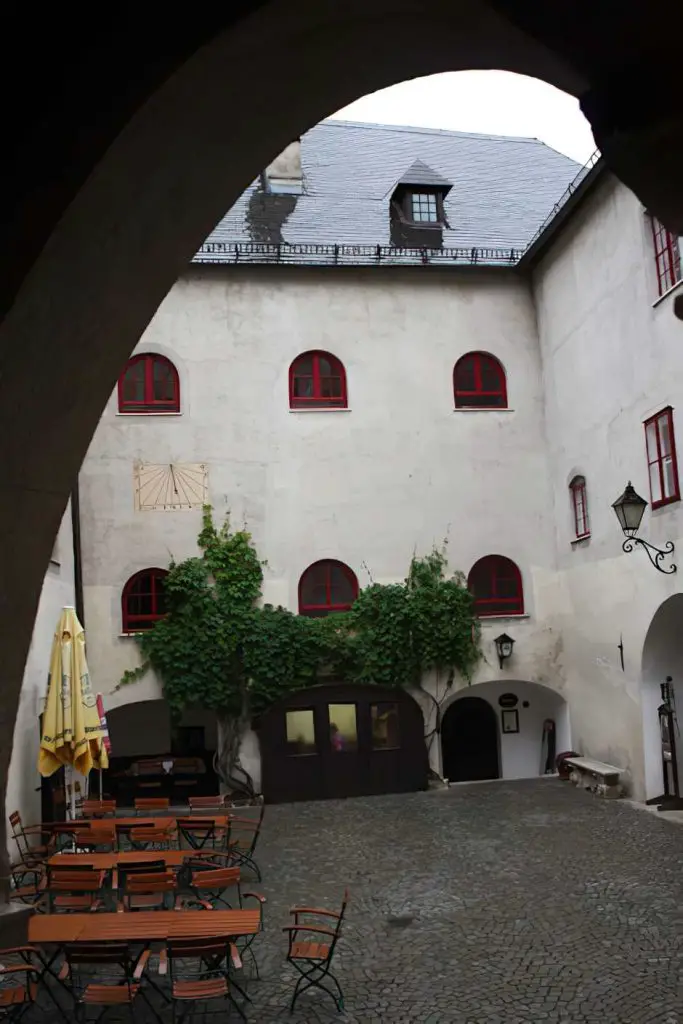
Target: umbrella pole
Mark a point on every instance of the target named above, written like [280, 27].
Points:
[100, 785]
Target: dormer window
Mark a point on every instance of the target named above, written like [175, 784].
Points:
[417, 211]
[424, 207]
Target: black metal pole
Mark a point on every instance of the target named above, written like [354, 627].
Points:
[78, 559]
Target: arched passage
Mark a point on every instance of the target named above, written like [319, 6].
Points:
[662, 657]
[151, 757]
[469, 741]
[148, 138]
[503, 733]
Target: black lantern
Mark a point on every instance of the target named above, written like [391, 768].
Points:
[629, 509]
[504, 645]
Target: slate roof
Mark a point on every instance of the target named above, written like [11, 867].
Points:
[502, 191]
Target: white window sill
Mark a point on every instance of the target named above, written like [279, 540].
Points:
[674, 288]
[54, 564]
[131, 636]
[487, 408]
[493, 618]
[145, 415]
[580, 541]
[309, 411]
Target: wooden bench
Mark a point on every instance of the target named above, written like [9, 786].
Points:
[598, 777]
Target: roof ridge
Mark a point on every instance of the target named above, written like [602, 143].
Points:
[417, 129]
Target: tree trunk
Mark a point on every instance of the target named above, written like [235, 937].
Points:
[234, 778]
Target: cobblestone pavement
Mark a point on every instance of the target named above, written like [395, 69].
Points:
[494, 903]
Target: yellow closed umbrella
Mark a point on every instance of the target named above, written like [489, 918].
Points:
[72, 732]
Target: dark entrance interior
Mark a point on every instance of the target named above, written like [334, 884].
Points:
[340, 740]
[469, 741]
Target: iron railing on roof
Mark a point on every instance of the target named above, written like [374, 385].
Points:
[351, 255]
[566, 196]
[316, 255]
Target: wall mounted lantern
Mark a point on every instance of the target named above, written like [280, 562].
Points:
[629, 509]
[504, 645]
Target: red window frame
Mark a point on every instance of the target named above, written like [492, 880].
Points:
[136, 623]
[466, 398]
[317, 400]
[580, 507]
[149, 403]
[657, 458]
[667, 256]
[495, 569]
[318, 610]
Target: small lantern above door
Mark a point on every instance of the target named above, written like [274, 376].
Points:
[504, 645]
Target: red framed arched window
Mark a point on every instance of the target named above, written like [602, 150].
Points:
[577, 489]
[496, 584]
[327, 586]
[143, 601]
[479, 382]
[149, 384]
[317, 380]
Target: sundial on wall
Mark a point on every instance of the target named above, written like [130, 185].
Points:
[170, 486]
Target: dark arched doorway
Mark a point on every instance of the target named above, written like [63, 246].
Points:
[469, 741]
[341, 740]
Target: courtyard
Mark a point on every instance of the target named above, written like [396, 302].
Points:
[487, 903]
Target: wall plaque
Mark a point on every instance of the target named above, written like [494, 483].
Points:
[508, 700]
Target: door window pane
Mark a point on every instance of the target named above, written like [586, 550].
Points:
[384, 720]
[343, 732]
[300, 732]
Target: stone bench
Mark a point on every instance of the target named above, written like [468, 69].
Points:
[596, 776]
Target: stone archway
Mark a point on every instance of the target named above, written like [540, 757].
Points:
[662, 657]
[520, 755]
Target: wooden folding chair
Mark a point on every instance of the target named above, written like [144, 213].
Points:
[18, 982]
[98, 808]
[202, 833]
[151, 804]
[244, 835]
[104, 975]
[100, 838]
[207, 803]
[149, 891]
[199, 974]
[75, 890]
[147, 838]
[30, 852]
[29, 884]
[313, 958]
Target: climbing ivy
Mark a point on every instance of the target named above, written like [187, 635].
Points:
[218, 649]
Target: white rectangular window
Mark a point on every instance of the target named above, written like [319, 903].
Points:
[660, 446]
[425, 207]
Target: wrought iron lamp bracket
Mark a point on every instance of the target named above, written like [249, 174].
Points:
[656, 555]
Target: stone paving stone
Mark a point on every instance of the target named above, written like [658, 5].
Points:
[509, 903]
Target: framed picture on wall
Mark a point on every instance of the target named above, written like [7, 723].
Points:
[510, 720]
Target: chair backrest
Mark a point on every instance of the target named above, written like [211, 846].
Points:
[152, 882]
[99, 834]
[15, 822]
[204, 803]
[215, 878]
[97, 952]
[95, 807]
[74, 880]
[338, 927]
[152, 803]
[211, 950]
[150, 835]
[141, 867]
[245, 829]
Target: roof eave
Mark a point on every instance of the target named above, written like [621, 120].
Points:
[540, 245]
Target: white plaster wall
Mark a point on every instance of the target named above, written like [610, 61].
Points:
[612, 356]
[397, 472]
[23, 785]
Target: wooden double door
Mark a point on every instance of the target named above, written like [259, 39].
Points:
[340, 740]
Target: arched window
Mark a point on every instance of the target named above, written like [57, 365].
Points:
[496, 583]
[317, 380]
[149, 383]
[143, 601]
[577, 489]
[325, 587]
[479, 382]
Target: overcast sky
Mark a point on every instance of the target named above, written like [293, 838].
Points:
[493, 102]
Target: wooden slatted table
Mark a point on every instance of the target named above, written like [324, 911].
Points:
[141, 927]
[167, 821]
[109, 861]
